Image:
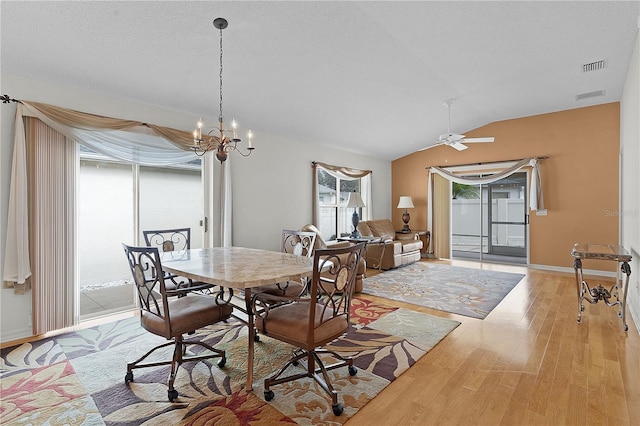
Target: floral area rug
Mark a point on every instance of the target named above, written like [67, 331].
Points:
[464, 291]
[78, 378]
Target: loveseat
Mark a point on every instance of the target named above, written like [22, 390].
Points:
[398, 248]
[322, 244]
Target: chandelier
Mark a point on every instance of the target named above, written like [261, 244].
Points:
[222, 143]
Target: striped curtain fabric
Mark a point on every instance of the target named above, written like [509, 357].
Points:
[52, 166]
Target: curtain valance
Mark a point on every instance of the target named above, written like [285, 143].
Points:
[536, 201]
[127, 140]
[342, 172]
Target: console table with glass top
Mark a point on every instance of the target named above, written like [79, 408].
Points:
[615, 253]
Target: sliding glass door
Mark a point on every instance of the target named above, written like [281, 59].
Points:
[507, 216]
[171, 197]
[489, 222]
[116, 201]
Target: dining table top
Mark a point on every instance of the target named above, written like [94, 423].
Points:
[237, 267]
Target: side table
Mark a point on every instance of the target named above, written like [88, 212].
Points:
[592, 295]
[369, 240]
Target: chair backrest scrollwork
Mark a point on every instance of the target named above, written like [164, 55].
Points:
[300, 243]
[168, 239]
[332, 287]
[150, 286]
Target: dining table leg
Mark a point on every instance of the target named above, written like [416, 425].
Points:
[251, 337]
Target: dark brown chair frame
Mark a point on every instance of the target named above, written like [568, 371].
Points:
[171, 240]
[171, 317]
[327, 314]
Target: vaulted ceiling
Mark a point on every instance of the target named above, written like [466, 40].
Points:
[364, 76]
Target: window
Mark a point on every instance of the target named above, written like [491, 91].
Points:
[333, 194]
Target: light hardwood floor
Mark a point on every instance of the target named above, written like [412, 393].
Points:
[528, 362]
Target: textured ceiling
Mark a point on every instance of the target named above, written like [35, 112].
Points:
[363, 76]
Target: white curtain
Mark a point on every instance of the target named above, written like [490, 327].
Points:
[17, 266]
[226, 206]
[40, 243]
[126, 140]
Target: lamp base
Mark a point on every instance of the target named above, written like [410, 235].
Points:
[355, 219]
[405, 218]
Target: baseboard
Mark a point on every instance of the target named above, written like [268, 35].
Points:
[22, 333]
[570, 270]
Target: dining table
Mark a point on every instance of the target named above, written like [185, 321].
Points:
[242, 269]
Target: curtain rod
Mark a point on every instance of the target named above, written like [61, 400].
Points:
[487, 162]
[6, 99]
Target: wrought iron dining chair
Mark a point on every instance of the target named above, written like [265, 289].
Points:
[175, 239]
[171, 317]
[310, 323]
[300, 243]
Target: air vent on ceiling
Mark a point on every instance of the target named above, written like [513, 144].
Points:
[594, 66]
[582, 96]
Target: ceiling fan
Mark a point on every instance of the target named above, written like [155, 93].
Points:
[455, 140]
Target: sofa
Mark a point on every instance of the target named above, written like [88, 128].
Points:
[397, 248]
[320, 243]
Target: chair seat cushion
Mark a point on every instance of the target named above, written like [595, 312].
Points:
[187, 313]
[290, 323]
[290, 289]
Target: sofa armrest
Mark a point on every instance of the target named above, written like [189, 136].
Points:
[337, 244]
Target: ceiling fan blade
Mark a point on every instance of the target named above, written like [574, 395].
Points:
[458, 146]
[431, 146]
[476, 140]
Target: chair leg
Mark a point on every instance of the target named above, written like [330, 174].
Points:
[275, 378]
[136, 363]
[175, 364]
[315, 369]
[178, 358]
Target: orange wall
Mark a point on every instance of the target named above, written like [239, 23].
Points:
[580, 177]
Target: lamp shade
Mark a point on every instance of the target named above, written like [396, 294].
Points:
[355, 200]
[405, 202]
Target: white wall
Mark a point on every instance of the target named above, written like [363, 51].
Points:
[630, 177]
[272, 187]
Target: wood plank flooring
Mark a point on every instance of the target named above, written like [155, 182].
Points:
[529, 362]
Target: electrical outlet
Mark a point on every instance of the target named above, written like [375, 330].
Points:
[541, 212]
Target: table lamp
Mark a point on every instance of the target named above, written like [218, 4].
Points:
[405, 203]
[355, 201]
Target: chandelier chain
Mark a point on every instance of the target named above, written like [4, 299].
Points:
[220, 118]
